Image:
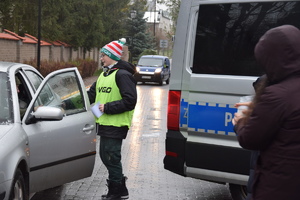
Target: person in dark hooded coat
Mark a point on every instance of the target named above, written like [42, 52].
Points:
[115, 94]
[273, 127]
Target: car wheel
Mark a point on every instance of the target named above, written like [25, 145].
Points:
[238, 192]
[18, 191]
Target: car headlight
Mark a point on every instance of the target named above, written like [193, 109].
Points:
[137, 69]
[158, 70]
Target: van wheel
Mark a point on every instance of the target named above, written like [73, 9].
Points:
[238, 192]
[18, 191]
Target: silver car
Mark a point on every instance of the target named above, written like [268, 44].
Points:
[47, 131]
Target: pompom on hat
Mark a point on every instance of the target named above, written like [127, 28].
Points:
[114, 49]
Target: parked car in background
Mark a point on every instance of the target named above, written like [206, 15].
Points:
[47, 131]
[153, 68]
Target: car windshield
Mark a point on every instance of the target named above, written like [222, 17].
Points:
[5, 100]
[154, 62]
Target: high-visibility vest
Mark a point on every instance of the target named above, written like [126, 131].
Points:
[108, 91]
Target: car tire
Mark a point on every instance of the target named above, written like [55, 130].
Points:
[238, 192]
[18, 191]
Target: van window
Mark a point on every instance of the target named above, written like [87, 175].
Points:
[227, 34]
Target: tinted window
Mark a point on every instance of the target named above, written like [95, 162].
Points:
[5, 100]
[227, 34]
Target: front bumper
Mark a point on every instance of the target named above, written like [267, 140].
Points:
[148, 77]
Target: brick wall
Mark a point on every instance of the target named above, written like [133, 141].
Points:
[17, 51]
[56, 53]
[8, 50]
[66, 54]
[45, 52]
[27, 52]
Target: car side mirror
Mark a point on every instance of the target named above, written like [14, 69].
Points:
[45, 113]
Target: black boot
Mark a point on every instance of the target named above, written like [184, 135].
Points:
[124, 190]
[114, 191]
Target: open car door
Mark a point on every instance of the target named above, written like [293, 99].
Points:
[61, 131]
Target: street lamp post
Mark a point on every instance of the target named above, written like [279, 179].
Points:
[154, 24]
[39, 35]
[132, 16]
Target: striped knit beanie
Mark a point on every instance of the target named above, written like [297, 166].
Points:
[114, 49]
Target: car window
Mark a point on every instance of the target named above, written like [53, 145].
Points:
[228, 32]
[153, 62]
[6, 115]
[62, 90]
[34, 78]
[24, 96]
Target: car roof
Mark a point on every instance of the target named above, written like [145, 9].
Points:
[154, 56]
[4, 66]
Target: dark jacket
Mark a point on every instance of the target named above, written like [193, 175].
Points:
[258, 85]
[274, 125]
[127, 86]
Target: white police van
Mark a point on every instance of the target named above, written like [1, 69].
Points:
[213, 67]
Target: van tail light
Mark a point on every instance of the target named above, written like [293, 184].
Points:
[173, 110]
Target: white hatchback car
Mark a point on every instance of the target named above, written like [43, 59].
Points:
[47, 130]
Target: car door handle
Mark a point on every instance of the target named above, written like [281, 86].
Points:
[88, 128]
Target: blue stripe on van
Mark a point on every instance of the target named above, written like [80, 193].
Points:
[208, 117]
[183, 113]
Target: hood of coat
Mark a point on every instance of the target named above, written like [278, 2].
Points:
[125, 65]
[278, 52]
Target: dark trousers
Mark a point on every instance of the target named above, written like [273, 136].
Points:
[110, 154]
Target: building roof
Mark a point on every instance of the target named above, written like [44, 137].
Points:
[8, 36]
[24, 39]
[43, 43]
[63, 43]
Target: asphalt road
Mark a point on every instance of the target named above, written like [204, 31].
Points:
[142, 157]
